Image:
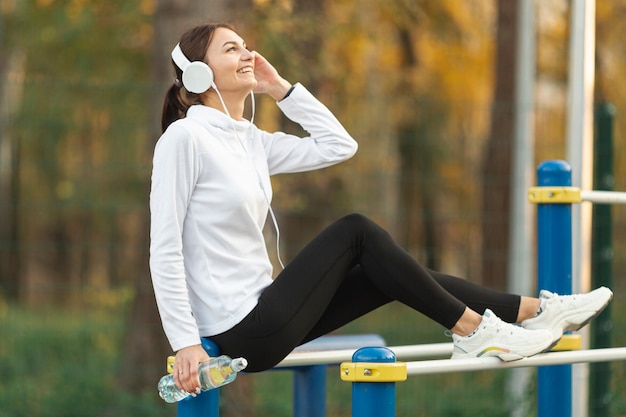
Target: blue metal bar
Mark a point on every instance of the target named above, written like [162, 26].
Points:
[309, 382]
[309, 391]
[374, 399]
[206, 404]
[554, 263]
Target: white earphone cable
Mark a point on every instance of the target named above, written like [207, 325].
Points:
[245, 148]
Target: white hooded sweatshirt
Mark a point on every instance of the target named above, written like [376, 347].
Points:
[209, 201]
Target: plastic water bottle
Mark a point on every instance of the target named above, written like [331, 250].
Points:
[214, 373]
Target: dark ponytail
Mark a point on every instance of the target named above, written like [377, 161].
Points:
[194, 45]
[173, 109]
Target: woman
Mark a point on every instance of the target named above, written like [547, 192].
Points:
[210, 197]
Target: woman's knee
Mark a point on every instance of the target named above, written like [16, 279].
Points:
[361, 224]
[356, 221]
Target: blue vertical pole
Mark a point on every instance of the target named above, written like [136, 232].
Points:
[374, 399]
[206, 404]
[554, 263]
[309, 391]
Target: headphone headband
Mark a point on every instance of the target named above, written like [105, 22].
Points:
[197, 75]
[179, 58]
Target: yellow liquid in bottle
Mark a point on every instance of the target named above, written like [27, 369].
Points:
[218, 376]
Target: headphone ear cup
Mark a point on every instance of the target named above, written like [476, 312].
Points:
[197, 77]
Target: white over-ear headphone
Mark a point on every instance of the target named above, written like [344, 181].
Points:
[197, 75]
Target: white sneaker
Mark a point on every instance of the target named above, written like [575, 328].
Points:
[493, 337]
[568, 312]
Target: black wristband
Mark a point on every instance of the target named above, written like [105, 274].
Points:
[289, 92]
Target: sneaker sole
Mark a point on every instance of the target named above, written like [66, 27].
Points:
[510, 357]
[554, 343]
[577, 322]
[504, 354]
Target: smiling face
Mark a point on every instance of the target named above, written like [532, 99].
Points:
[232, 63]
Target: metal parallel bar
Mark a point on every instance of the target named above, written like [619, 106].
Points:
[423, 351]
[492, 363]
[603, 197]
[335, 357]
[458, 365]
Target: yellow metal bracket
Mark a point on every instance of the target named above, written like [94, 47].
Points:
[569, 342]
[554, 195]
[373, 371]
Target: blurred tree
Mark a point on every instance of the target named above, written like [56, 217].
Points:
[552, 74]
[608, 39]
[611, 61]
[384, 68]
[293, 36]
[12, 63]
[69, 130]
[497, 162]
[439, 84]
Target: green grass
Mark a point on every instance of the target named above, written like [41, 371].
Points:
[56, 363]
[64, 363]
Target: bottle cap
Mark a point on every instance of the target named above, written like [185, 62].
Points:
[238, 364]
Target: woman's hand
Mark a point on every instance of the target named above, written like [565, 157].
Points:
[268, 79]
[186, 368]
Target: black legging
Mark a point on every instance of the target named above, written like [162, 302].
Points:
[350, 269]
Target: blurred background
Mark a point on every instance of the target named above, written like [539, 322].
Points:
[428, 88]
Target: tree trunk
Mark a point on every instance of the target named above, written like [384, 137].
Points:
[497, 162]
[11, 94]
[317, 193]
[417, 228]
